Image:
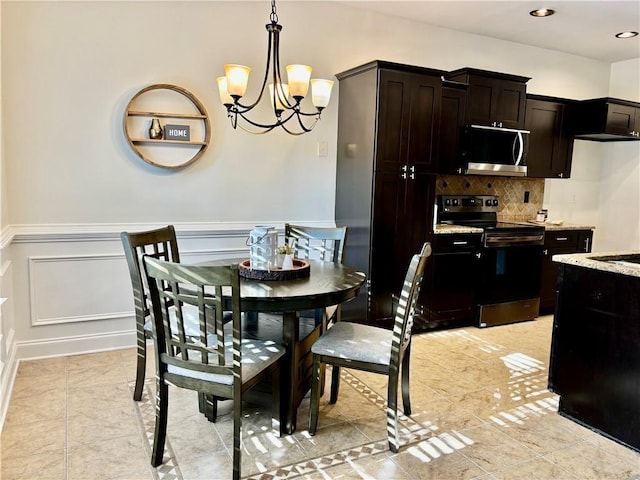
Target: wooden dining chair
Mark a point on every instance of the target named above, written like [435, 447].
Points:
[318, 243]
[373, 349]
[214, 363]
[162, 244]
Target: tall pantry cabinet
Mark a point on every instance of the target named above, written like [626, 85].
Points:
[388, 125]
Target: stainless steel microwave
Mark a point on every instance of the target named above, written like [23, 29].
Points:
[495, 151]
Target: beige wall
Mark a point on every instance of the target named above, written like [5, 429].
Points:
[71, 67]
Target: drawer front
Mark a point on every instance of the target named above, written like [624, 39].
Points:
[456, 242]
[566, 240]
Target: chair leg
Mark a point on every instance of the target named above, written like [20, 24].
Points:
[237, 431]
[141, 364]
[208, 406]
[392, 412]
[276, 414]
[323, 374]
[160, 433]
[406, 401]
[315, 395]
[335, 384]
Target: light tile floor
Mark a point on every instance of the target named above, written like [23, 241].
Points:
[481, 410]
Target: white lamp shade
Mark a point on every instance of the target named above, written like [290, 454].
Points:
[237, 79]
[225, 98]
[280, 97]
[321, 92]
[298, 76]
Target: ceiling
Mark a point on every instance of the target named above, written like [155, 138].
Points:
[584, 28]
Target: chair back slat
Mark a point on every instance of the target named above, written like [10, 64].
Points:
[405, 309]
[201, 286]
[316, 243]
[160, 243]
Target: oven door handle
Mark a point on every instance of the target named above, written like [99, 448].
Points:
[513, 240]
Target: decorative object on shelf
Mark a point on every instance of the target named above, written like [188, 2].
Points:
[177, 132]
[263, 247]
[285, 98]
[155, 131]
[161, 149]
[300, 269]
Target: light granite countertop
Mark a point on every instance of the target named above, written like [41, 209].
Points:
[559, 226]
[614, 262]
[447, 229]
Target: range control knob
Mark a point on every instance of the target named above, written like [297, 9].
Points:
[456, 202]
[447, 202]
[494, 202]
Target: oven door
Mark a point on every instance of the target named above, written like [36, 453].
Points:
[510, 273]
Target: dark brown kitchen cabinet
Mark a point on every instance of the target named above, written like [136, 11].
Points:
[607, 119]
[452, 121]
[452, 280]
[550, 141]
[493, 98]
[388, 123]
[409, 106]
[558, 242]
[595, 351]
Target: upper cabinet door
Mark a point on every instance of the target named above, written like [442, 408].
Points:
[424, 123]
[622, 119]
[394, 109]
[550, 145]
[510, 109]
[408, 122]
[494, 99]
[482, 101]
[452, 120]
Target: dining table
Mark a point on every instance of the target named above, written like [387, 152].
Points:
[327, 284]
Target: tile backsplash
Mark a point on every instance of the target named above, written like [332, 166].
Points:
[511, 191]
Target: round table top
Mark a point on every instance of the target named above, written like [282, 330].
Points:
[327, 284]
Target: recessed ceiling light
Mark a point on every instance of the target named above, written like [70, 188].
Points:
[542, 12]
[628, 34]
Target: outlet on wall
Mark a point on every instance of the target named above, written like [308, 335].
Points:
[322, 148]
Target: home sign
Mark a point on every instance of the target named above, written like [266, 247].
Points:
[177, 132]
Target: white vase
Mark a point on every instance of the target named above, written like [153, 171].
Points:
[287, 262]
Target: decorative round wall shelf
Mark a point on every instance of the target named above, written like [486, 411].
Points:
[179, 107]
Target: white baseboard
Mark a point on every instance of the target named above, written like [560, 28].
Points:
[76, 345]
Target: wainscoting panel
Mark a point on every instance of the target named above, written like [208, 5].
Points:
[78, 288]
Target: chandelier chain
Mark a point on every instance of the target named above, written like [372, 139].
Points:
[274, 16]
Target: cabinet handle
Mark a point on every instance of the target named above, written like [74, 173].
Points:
[562, 239]
[561, 175]
[479, 255]
[412, 175]
[545, 252]
[586, 245]
[460, 242]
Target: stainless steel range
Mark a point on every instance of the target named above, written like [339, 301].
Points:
[511, 259]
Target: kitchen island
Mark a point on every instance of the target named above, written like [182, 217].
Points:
[595, 349]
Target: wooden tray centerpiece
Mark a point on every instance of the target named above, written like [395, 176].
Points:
[301, 269]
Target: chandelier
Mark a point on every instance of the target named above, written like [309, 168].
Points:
[285, 98]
